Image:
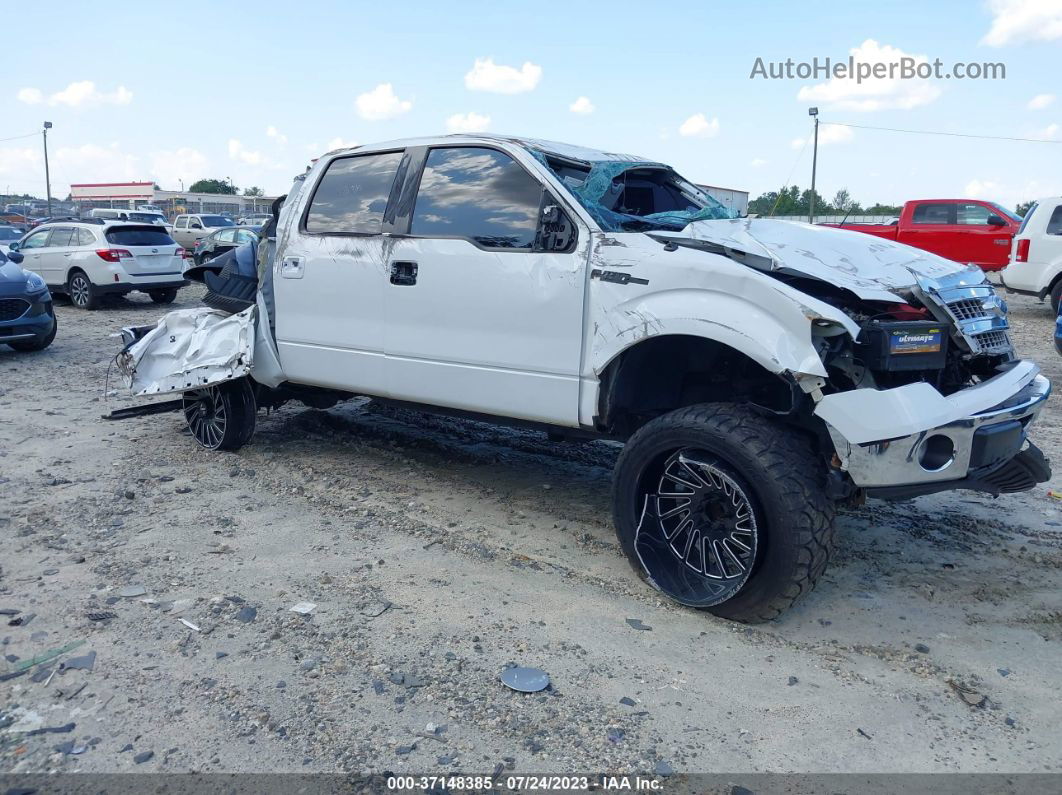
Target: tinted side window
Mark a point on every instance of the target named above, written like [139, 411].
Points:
[62, 237]
[85, 237]
[352, 194]
[482, 194]
[1027, 218]
[1054, 224]
[934, 214]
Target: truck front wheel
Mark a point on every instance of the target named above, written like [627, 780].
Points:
[724, 510]
[221, 417]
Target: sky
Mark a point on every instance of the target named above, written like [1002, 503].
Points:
[177, 92]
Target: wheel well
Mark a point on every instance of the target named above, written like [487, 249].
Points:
[666, 373]
[70, 273]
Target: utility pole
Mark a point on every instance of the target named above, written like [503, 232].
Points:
[814, 113]
[47, 175]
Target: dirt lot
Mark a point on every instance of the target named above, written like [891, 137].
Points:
[436, 552]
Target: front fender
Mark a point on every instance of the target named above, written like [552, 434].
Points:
[769, 323]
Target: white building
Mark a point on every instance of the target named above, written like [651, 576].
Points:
[130, 195]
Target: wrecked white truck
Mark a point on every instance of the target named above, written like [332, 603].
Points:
[760, 372]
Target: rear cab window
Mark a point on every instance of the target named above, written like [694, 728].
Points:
[351, 197]
[480, 194]
[936, 213]
[146, 235]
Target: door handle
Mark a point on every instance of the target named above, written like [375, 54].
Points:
[403, 273]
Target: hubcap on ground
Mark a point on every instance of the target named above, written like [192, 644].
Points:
[205, 412]
[697, 536]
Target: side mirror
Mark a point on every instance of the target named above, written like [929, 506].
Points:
[14, 246]
[995, 220]
[15, 257]
[195, 225]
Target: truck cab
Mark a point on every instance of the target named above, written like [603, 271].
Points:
[758, 372]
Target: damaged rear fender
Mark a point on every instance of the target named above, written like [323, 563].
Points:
[188, 349]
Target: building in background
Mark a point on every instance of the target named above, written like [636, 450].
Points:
[130, 195]
[736, 200]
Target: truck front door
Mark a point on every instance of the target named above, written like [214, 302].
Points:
[329, 278]
[481, 314]
[978, 241]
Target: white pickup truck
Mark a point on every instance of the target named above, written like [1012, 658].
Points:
[760, 372]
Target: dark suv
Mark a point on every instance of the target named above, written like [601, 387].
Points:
[27, 320]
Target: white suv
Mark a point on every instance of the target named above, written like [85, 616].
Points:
[189, 229]
[1036, 254]
[88, 261]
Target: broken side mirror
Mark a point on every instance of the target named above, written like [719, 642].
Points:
[556, 232]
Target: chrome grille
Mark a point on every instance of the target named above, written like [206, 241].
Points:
[12, 308]
[967, 309]
[993, 341]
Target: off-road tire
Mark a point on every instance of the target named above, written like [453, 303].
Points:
[163, 296]
[82, 292]
[29, 346]
[234, 402]
[782, 475]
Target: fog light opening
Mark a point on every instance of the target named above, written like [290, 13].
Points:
[938, 452]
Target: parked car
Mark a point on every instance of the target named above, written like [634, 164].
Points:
[760, 372]
[87, 261]
[1036, 256]
[27, 318]
[8, 234]
[254, 219]
[134, 216]
[221, 240]
[963, 230]
[187, 229]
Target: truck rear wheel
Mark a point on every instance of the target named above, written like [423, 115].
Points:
[221, 417]
[724, 510]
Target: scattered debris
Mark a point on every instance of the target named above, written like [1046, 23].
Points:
[1003, 672]
[525, 680]
[628, 702]
[70, 748]
[615, 736]
[637, 624]
[664, 769]
[792, 681]
[303, 608]
[189, 624]
[376, 609]
[66, 728]
[131, 591]
[862, 733]
[85, 662]
[102, 615]
[247, 614]
[968, 694]
[143, 757]
[49, 655]
[921, 648]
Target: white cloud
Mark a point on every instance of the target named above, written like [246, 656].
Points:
[758, 162]
[1016, 21]
[276, 135]
[1048, 133]
[583, 106]
[237, 151]
[169, 168]
[1041, 101]
[93, 163]
[31, 96]
[470, 122]
[1010, 195]
[698, 126]
[500, 79]
[381, 103]
[828, 134]
[81, 94]
[339, 143]
[874, 93]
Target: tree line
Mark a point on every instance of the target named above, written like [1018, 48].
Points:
[794, 201]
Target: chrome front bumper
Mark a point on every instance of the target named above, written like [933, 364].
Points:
[913, 435]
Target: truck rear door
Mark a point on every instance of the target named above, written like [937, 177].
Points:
[930, 226]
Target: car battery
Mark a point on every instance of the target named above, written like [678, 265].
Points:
[904, 345]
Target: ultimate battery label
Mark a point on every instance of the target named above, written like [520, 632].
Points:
[920, 341]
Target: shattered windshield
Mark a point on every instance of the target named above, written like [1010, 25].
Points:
[635, 196]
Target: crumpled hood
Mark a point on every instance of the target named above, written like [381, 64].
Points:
[869, 266]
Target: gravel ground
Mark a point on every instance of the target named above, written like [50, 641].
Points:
[437, 551]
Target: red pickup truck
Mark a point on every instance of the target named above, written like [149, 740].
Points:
[964, 230]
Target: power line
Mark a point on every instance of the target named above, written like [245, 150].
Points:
[949, 134]
[16, 137]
